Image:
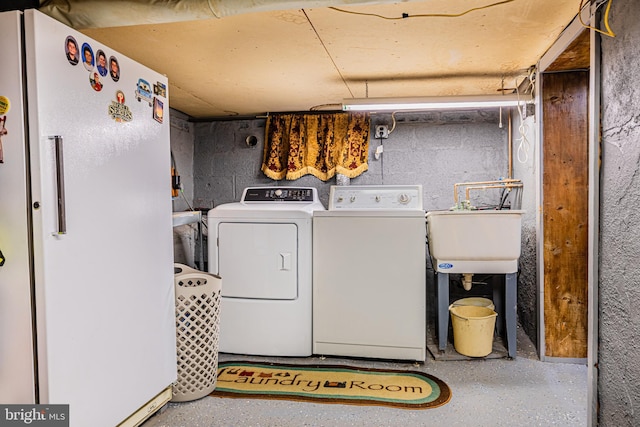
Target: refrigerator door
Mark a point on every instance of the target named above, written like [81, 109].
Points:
[16, 350]
[103, 256]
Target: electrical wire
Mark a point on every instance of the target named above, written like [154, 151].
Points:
[326, 50]
[609, 32]
[326, 107]
[504, 195]
[381, 164]
[393, 122]
[523, 128]
[181, 190]
[202, 219]
[523, 144]
[426, 15]
[185, 199]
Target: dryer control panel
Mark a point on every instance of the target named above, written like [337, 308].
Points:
[279, 194]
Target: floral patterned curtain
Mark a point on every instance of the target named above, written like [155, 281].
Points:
[317, 144]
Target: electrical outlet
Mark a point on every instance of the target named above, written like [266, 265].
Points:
[530, 110]
[382, 132]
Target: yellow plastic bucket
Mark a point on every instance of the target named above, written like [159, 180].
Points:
[473, 329]
[477, 301]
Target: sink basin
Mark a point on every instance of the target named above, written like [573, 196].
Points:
[483, 241]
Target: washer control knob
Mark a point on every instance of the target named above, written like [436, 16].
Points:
[278, 192]
[377, 198]
[404, 198]
[352, 199]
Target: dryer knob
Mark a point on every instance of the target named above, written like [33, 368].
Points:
[278, 192]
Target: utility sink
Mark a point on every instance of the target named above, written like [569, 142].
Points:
[475, 241]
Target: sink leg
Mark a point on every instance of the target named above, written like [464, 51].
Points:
[511, 293]
[498, 302]
[443, 310]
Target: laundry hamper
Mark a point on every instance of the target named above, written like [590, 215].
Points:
[197, 332]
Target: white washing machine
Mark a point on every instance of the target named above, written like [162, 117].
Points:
[369, 275]
[261, 247]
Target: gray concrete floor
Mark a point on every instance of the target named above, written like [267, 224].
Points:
[485, 392]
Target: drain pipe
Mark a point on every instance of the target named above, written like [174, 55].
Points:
[510, 139]
[466, 281]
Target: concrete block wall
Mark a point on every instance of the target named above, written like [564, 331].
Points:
[525, 168]
[436, 150]
[182, 137]
[619, 276]
[224, 164]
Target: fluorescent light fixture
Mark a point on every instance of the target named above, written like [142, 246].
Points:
[430, 103]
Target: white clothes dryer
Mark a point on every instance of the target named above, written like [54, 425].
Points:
[262, 249]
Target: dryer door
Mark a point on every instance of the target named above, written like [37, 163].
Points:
[258, 260]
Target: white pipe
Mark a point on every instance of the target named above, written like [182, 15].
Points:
[467, 281]
[81, 14]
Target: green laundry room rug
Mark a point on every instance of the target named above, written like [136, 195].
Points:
[331, 384]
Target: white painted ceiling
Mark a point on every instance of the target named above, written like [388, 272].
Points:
[251, 63]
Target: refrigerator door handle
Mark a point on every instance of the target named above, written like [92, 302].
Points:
[62, 220]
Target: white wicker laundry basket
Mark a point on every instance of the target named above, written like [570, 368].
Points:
[197, 332]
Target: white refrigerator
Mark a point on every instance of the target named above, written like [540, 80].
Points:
[87, 313]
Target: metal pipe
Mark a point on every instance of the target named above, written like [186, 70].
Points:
[484, 187]
[510, 139]
[503, 181]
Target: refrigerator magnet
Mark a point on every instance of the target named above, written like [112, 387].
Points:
[4, 105]
[158, 110]
[143, 92]
[120, 97]
[101, 63]
[114, 69]
[118, 111]
[160, 89]
[94, 79]
[71, 49]
[87, 56]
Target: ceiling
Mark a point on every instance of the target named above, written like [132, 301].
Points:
[245, 63]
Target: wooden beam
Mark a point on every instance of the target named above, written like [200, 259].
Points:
[565, 212]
